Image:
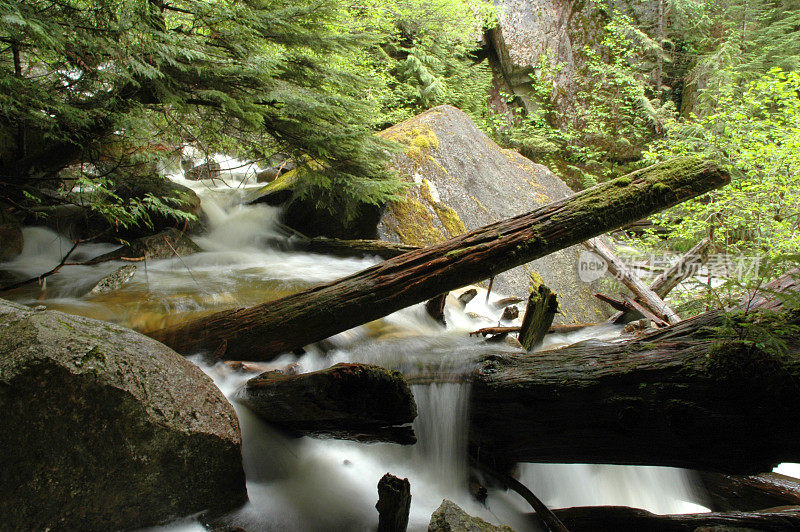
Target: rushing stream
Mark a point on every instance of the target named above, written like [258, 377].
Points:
[312, 484]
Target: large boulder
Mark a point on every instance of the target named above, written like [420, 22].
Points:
[449, 517]
[103, 428]
[461, 181]
[558, 30]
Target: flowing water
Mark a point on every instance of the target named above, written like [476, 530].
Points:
[312, 484]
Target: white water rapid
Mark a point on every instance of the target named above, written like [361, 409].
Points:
[309, 484]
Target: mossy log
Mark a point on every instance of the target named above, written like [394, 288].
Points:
[348, 401]
[749, 492]
[718, 392]
[624, 519]
[266, 330]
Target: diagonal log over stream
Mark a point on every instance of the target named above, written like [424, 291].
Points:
[263, 331]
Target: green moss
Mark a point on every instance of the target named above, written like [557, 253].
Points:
[418, 139]
[413, 223]
[741, 361]
[622, 181]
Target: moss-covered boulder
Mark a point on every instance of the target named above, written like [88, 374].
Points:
[461, 181]
[449, 517]
[103, 428]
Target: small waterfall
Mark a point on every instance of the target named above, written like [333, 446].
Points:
[309, 484]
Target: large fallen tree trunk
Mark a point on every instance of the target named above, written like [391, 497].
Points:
[751, 492]
[624, 519]
[348, 401]
[717, 392]
[264, 331]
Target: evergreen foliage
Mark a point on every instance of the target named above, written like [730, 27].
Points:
[92, 83]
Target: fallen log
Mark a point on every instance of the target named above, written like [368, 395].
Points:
[624, 519]
[648, 299]
[686, 266]
[347, 401]
[264, 331]
[352, 248]
[539, 313]
[750, 492]
[394, 503]
[718, 392]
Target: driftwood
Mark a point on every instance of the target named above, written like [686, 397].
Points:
[264, 331]
[748, 493]
[350, 401]
[624, 519]
[394, 503]
[648, 299]
[686, 266]
[539, 313]
[708, 393]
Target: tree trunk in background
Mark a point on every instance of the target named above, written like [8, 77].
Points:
[264, 331]
[710, 393]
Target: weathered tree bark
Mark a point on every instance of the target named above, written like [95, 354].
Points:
[749, 493]
[350, 401]
[686, 266]
[713, 393]
[394, 503]
[646, 297]
[539, 313]
[263, 331]
[624, 519]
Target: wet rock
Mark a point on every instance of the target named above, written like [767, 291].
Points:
[450, 518]
[462, 180]
[467, 296]
[78, 222]
[153, 247]
[104, 428]
[510, 313]
[207, 170]
[115, 279]
[10, 235]
[278, 165]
